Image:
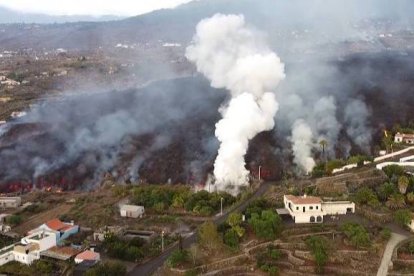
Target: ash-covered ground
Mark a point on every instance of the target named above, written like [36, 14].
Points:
[164, 133]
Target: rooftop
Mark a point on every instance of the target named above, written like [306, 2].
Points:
[88, 255]
[404, 135]
[304, 199]
[57, 225]
[131, 208]
[61, 253]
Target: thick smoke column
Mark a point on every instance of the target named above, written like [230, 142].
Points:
[356, 116]
[302, 145]
[233, 56]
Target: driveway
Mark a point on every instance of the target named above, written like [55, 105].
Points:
[389, 249]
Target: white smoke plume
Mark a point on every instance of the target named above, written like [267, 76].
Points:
[356, 117]
[302, 145]
[235, 57]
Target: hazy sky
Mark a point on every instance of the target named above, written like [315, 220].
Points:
[90, 7]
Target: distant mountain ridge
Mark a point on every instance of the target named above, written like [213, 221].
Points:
[8, 16]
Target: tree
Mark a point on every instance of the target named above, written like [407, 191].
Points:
[410, 197]
[386, 190]
[411, 247]
[235, 220]
[403, 184]
[208, 237]
[364, 195]
[395, 201]
[231, 238]
[177, 257]
[267, 225]
[402, 217]
[107, 269]
[357, 234]
[393, 170]
[323, 143]
[319, 248]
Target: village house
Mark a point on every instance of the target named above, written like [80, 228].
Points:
[310, 209]
[87, 256]
[28, 249]
[39, 241]
[10, 202]
[62, 229]
[404, 138]
[132, 211]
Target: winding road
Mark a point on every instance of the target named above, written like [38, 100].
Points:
[152, 265]
[395, 239]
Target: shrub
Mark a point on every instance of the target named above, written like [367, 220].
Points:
[319, 248]
[177, 257]
[267, 225]
[357, 234]
[385, 234]
[231, 238]
[14, 220]
[107, 269]
[402, 217]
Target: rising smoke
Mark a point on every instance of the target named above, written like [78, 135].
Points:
[302, 145]
[233, 56]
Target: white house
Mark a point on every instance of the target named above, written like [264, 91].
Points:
[10, 202]
[310, 209]
[30, 246]
[132, 211]
[61, 229]
[404, 138]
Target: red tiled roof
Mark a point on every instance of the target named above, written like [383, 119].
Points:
[88, 256]
[304, 199]
[57, 225]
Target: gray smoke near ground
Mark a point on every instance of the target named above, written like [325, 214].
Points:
[302, 146]
[95, 132]
[234, 56]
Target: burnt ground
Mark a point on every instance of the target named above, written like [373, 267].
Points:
[164, 133]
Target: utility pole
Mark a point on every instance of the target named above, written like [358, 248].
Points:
[162, 241]
[221, 206]
[260, 173]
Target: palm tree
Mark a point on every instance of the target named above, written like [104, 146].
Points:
[403, 184]
[396, 201]
[323, 143]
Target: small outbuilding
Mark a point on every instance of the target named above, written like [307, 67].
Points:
[88, 255]
[132, 211]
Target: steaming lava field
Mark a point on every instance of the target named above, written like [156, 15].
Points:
[164, 133]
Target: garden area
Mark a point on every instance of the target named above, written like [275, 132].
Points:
[391, 201]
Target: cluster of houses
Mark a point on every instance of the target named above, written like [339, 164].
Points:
[46, 241]
[9, 83]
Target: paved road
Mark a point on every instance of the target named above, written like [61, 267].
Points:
[151, 266]
[389, 249]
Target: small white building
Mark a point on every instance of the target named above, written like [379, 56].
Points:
[10, 202]
[31, 246]
[404, 138]
[132, 211]
[310, 209]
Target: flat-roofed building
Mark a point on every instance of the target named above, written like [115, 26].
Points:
[310, 209]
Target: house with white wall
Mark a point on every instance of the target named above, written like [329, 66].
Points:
[310, 209]
[404, 138]
[62, 229]
[132, 211]
[10, 202]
